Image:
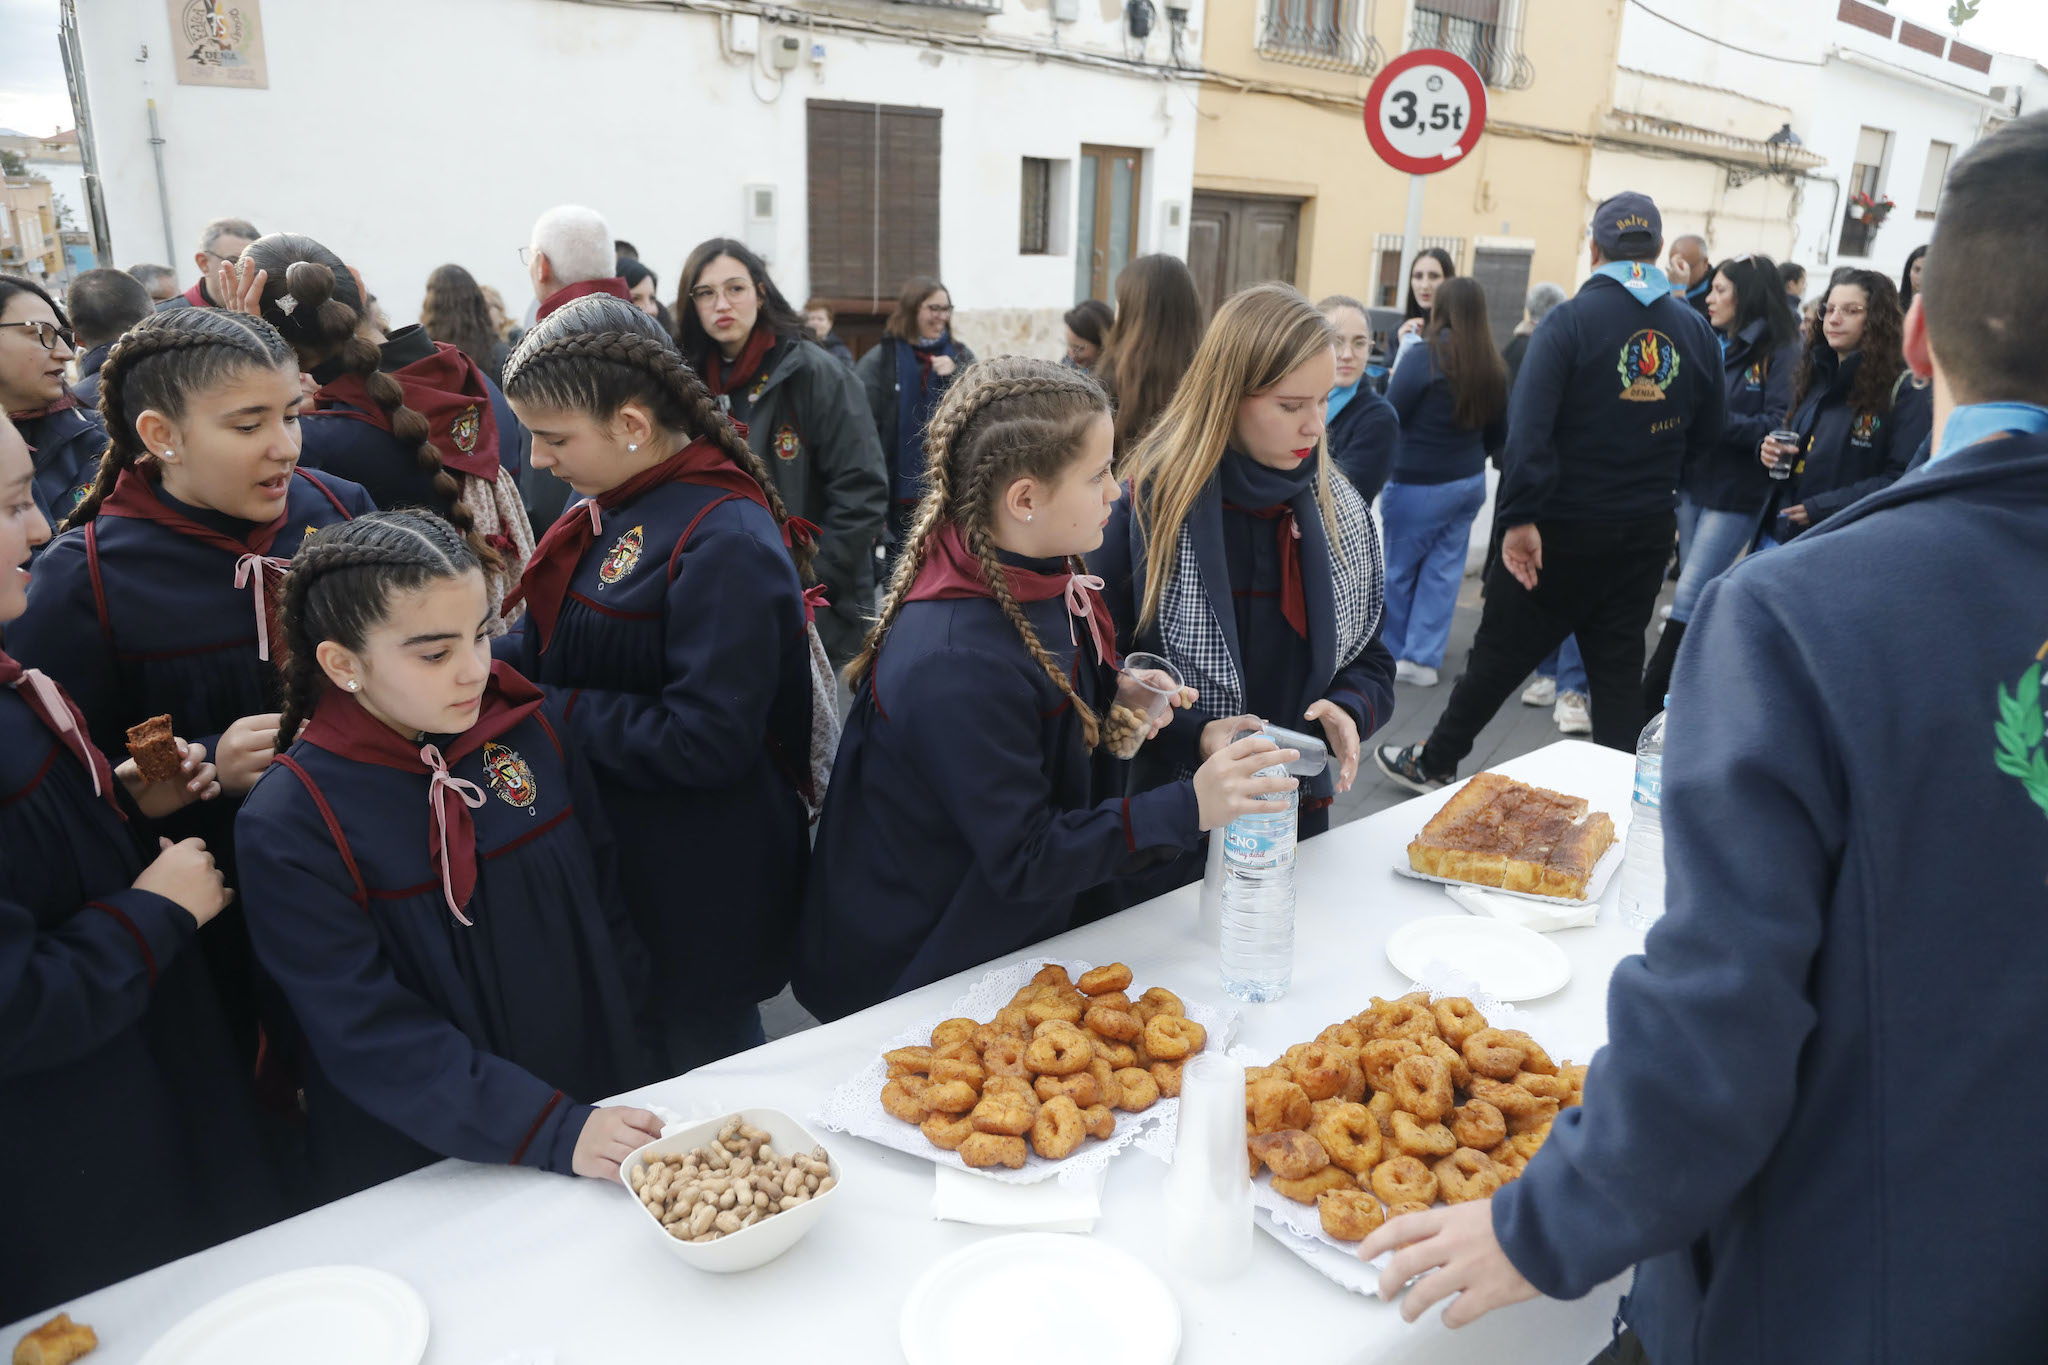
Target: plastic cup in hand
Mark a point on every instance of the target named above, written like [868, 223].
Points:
[1781, 463]
[1145, 690]
[1315, 755]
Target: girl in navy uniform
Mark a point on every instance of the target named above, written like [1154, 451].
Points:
[666, 611]
[1240, 558]
[104, 1014]
[65, 437]
[428, 880]
[416, 423]
[160, 595]
[966, 820]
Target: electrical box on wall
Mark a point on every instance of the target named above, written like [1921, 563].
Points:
[1173, 217]
[787, 52]
[758, 213]
[743, 34]
[1066, 11]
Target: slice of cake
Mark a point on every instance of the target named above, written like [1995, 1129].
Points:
[1496, 831]
[155, 751]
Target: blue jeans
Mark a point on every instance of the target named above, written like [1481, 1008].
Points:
[1428, 528]
[1565, 665]
[1709, 543]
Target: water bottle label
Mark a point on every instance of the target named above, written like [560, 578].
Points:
[1256, 848]
[1650, 782]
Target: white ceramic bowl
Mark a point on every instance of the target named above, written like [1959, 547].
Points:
[766, 1239]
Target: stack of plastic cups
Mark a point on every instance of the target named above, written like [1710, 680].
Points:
[1209, 1188]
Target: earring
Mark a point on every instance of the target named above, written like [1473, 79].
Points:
[632, 446]
[353, 684]
[1027, 516]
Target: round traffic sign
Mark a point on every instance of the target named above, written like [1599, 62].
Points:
[1425, 111]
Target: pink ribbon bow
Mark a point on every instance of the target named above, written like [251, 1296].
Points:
[249, 574]
[54, 707]
[439, 787]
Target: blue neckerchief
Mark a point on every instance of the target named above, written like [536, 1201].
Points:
[1339, 398]
[1968, 425]
[1699, 291]
[1645, 283]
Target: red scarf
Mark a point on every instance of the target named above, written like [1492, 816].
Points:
[722, 376]
[615, 285]
[344, 729]
[951, 571]
[1293, 597]
[53, 706]
[546, 581]
[448, 389]
[68, 400]
[255, 568]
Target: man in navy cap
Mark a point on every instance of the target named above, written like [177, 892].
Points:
[1620, 387]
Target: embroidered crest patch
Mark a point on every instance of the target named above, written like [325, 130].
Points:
[465, 429]
[511, 779]
[2022, 733]
[623, 558]
[787, 444]
[1649, 362]
[1865, 429]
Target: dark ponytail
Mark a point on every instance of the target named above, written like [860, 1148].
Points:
[313, 300]
[599, 353]
[160, 363]
[340, 588]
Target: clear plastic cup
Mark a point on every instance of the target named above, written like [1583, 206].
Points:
[1315, 755]
[1145, 689]
[1781, 467]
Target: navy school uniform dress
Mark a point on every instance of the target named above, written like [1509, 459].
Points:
[465, 993]
[65, 442]
[964, 821]
[668, 616]
[1846, 454]
[1269, 621]
[157, 607]
[130, 1138]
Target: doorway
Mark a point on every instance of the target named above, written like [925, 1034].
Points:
[1236, 240]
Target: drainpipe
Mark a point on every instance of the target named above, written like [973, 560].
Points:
[163, 191]
[81, 113]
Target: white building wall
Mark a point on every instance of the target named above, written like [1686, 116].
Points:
[409, 133]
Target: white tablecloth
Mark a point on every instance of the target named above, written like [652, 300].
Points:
[513, 1259]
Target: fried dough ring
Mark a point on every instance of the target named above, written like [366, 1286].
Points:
[1412, 1206]
[1081, 1087]
[1271, 1105]
[1324, 1069]
[1004, 1057]
[1423, 1087]
[1414, 1138]
[947, 1131]
[1058, 1130]
[951, 1097]
[992, 1149]
[908, 1061]
[1466, 1175]
[1119, 1026]
[1290, 1154]
[961, 1051]
[1534, 1120]
[1322, 1182]
[1351, 1136]
[1345, 1035]
[1381, 1107]
[1111, 1000]
[1140, 1091]
[899, 1103]
[986, 1037]
[1027, 993]
[1457, 1019]
[1118, 1055]
[1155, 1002]
[1108, 1089]
[1010, 1020]
[1002, 1114]
[1453, 1060]
[1509, 1099]
[1406, 1018]
[1054, 976]
[1167, 1076]
[1016, 1087]
[1349, 1215]
[1059, 1053]
[1047, 1008]
[954, 1031]
[1101, 1121]
[1113, 977]
[955, 1069]
[1534, 1058]
[1526, 1145]
[1545, 1087]
[1403, 1179]
[1173, 1037]
[1479, 1125]
[1381, 1056]
[1493, 1053]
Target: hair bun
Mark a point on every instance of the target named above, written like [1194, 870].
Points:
[309, 282]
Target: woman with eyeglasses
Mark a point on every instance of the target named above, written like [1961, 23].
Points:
[804, 416]
[905, 377]
[35, 345]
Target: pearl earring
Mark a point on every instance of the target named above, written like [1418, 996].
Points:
[631, 446]
[353, 685]
[1027, 516]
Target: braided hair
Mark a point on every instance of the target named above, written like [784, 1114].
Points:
[340, 586]
[328, 319]
[599, 353]
[1002, 420]
[160, 363]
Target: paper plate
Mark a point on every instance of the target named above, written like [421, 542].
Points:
[1108, 1299]
[1508, 961]
[328, 1315]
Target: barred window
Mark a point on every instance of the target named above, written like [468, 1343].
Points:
[1034, 220]
[1486, 33]
[1333, 34]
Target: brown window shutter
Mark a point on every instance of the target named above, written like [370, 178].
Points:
[873, 180]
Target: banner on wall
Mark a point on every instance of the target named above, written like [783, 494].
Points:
[219, 42]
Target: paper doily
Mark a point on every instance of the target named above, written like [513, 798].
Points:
[855, 1106]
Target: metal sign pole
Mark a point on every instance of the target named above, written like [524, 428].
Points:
[1411, 241]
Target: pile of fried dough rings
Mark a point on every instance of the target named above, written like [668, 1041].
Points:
[1403, 1104]
[1050, 1069]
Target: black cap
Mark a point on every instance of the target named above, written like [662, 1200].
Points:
[1627, 221]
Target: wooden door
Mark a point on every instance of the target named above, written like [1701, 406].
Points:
[1236, 240]
[1110, 189]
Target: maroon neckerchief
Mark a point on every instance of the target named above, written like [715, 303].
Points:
[134, 496]
[615, 285]
[1293, 597]
[69, 400]
[722, 376]
[197, 295]
[950, 571]
[54, 708]
[448, 389]
[343, 728]
[546, 580]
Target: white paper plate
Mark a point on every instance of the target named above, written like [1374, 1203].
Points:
[1508, 961]
[328, 1315]
[1108, 1299]
[1596, 884]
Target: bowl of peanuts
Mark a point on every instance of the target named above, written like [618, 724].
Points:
[732, 1193]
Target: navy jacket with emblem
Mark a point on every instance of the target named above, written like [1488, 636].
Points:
[130, 1137]
[1612, 401]
[1364, 438]
[65, 447]
[1833, 1006]
[1847, 454]
[682, 659]
[430, 1038]
[965, 821]
[1731, 477]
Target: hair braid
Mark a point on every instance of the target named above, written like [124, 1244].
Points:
[999, 584]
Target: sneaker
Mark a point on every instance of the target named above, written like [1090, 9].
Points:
[1574, 716]
[1420, 674]
[1403, 764]
[1541, 692]
[1404, 672]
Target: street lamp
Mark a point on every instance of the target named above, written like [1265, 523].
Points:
[1780, 148]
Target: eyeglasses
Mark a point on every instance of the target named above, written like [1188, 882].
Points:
[526, 255]
[48, 333]
[938, 310]
[732, 291]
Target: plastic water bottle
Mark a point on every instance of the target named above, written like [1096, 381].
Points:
[1258, 897]
[1642, 863]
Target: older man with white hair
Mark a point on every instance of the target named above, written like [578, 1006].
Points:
[571, 255]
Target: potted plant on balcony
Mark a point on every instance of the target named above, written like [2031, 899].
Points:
[1867, 208]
